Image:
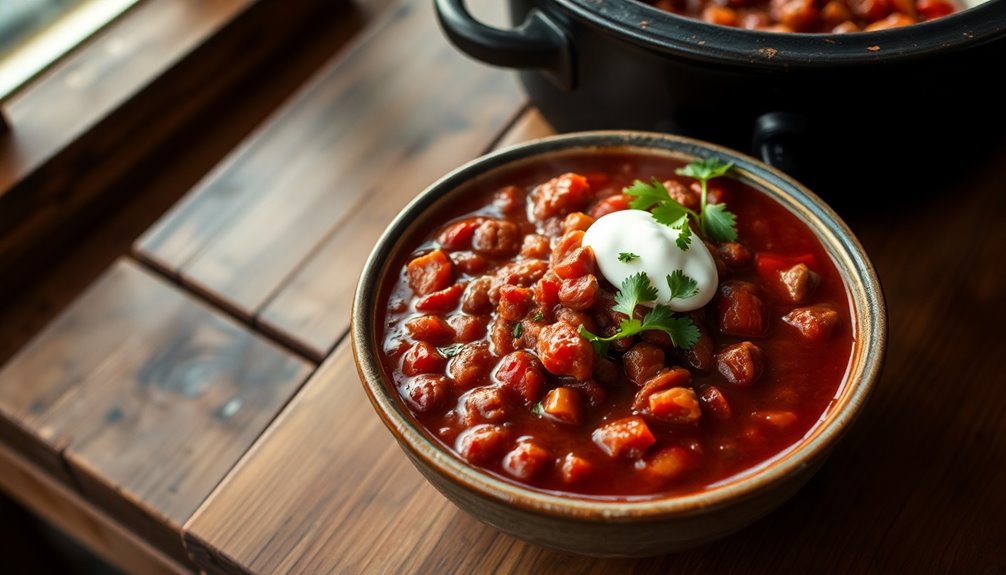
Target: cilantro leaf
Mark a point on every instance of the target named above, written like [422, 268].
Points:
[627, 257]
[537, 316]
[670, 212]
[719, 224]
[682, 330]
[600, 344]
[518, 329]
[450, 350]
[684, 233]
[647, 195]
[682, 286]
[635, 288]
[705, 169]
[537, 409]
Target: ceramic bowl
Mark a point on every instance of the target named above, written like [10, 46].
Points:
[639, 527]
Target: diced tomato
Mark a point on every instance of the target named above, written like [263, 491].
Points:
[458, 235]
[481, 443]
[442, 300]
[431, 328]
[525, 461]
[564, 405]
[564, 352]
[423, 358]
[628, 437]
[430, 272]
[521, 372]
[569, 259]
[577, 221]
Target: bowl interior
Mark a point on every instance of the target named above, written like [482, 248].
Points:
[861, 285]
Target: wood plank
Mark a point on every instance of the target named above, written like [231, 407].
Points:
[376, 127]
[151, 397]
[312, 308]
[95, 117]
[915, 487]
[68, 511]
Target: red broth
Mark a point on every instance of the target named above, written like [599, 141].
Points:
[519, 403]
[810, 16]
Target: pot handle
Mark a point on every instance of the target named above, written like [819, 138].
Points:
[539, 42]
[776, 140]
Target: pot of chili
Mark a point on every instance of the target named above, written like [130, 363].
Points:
[618, 343]
[802, 101]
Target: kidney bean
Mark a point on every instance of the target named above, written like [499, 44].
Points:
[642, 362]
[564, 352]
[425, 392]
[481, 443]
[470, 367]
[526, 460]
[521, 372]
[423, 358]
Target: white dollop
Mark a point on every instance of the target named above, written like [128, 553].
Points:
[636, 232]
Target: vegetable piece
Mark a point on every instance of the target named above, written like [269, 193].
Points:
[423, 358]
[481, 443]
[430, 272]
[470, 367]
[521, 373]
[441, 300]
[458, 235]
[662, 380]
[681, 285]
[635, 289]
[628, 437]
[485, 404]
[425, 392]
[574, 469]
[431, 328]
[563, 405]
[669, 464]
[677, 405]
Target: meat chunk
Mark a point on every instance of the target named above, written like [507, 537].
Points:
[797, 283]
[741, 363]
[642, 362]
[476, 297]
[569, 259]
[470, 367]
[577, 221]
[534, 246]
[485, 404]
[497, 238]
[564, 352]
[521, 373]
[579, 293]
[816, 322]
[741, 311]
[560, 196]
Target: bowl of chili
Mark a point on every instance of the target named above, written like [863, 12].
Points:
[618, 343]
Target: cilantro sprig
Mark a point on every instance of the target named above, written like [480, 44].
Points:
[637, 289]
[713, 220]
[627, 257]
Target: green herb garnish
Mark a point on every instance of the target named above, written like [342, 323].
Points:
[714, 221]
[537, 409]
[518, 329]
[627, 257]
[450, 350]
[637, 288]
[538, 316]
[681, 285]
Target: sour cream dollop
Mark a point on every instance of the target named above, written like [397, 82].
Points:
[636, 232]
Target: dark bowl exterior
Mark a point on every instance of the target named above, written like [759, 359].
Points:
[613, 528]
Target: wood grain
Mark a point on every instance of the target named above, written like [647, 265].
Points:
[150, 397]
[916, 487]
[397, 112]
[99, 114]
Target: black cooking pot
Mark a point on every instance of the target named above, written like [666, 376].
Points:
[811, 104]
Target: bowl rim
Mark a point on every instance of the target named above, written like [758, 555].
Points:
[697, 40]
[864, 292]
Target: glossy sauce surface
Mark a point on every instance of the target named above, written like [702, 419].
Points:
[497, 376]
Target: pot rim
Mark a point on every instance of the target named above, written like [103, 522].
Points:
[863, 289]
[662, 31]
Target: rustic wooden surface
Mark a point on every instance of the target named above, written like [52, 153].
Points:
[147, 396]
[374, 128]
[275, 237]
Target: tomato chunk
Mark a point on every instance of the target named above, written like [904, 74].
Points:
[564, 352]
[669, 464]
[628, 437]
[423, 358]
[569, 259]
[521, 372]
[429, 273]
[514, 302]
[442, 300]
[431, 328]
[481, 443]
[458, 235]
[425, 392]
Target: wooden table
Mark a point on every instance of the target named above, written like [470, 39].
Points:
[201, 399]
